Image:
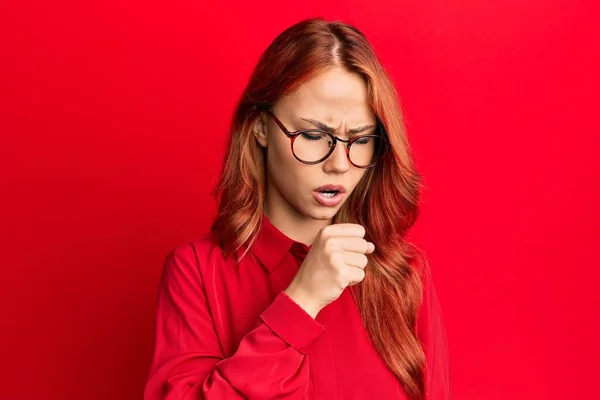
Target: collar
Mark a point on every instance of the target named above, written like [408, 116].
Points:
[271, 245]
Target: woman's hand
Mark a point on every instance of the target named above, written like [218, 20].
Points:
[337, 258]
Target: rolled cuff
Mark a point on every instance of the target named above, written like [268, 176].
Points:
[291, 323]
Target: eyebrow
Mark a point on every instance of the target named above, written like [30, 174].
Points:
[330, 129]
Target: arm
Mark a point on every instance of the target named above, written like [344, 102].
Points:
[431, 331]
[270, 362]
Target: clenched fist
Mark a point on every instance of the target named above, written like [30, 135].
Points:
[336, 259]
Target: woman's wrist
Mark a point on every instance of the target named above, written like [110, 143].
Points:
[304, 301]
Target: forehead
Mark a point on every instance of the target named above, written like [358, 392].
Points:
[331, 95]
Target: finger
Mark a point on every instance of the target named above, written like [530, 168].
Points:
[352, 230]
[357, 260]
[356, 276]
[356, 245]
[371, 248]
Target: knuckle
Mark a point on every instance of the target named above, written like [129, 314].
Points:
[326, 230]
[329, 244]
[336, 258]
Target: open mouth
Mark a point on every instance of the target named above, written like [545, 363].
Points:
[329, 193]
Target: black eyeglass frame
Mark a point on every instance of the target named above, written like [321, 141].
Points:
[292, 135]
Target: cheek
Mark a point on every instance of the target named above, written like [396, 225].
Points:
[293, 179]
[279, 155]
[283, 166]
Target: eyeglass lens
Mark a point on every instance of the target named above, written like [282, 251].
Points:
[314, 146]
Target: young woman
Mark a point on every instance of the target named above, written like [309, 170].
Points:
[306, 288]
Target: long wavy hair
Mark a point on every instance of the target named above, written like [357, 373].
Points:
[385, 201]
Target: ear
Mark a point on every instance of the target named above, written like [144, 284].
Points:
[259, 130]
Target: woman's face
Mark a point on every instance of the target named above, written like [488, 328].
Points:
[335, 98]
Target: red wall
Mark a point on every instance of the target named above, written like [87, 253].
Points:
[113, 120]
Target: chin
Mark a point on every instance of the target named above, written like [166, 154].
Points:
[313, 210]
[320, 212]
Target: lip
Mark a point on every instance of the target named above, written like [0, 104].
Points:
[330, 201]
[339, 188]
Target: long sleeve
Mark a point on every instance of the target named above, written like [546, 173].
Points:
[431, 331]
[270, 363]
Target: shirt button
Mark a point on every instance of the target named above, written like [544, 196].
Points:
[299, 250]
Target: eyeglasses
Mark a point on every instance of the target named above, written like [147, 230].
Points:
[312, 146]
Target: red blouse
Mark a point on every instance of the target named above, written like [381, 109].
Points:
[228, 331]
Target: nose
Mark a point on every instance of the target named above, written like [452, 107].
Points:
[338, 160]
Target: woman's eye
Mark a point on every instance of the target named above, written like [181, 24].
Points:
[309, 136]
[363, 141]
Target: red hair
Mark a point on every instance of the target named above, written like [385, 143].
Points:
[385, 201]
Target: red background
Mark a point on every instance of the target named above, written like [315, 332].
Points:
[113, 124]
